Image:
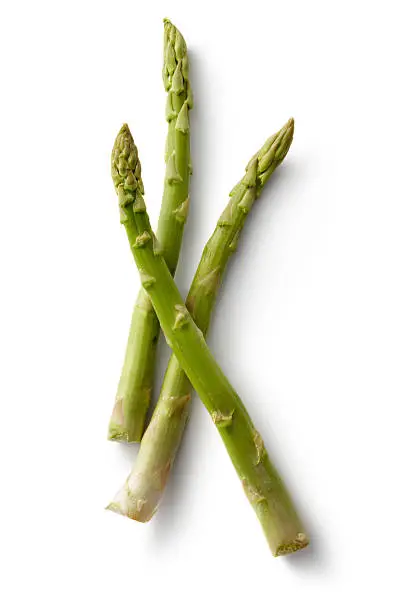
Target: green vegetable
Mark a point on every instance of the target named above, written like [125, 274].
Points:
[261, 482]
[141, 495]
[135, 386]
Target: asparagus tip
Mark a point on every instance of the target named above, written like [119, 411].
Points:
[286, 133]
[274, 152]
[290, 125]
[175, 60]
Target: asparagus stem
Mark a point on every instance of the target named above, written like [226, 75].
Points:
[135, 386]
[261, 482]
[143, 490]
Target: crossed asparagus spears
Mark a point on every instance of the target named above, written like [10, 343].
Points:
[261, 482]
[141, 495]
[142, 492]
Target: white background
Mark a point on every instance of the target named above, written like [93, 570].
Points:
[311, 325]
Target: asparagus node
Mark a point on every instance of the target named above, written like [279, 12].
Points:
[133, 395]
[261, 482]
[161, 440]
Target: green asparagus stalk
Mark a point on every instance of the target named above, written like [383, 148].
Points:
[140, 496]
[135, 386]
[261, 482]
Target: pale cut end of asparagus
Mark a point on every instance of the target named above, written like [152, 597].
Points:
[122, 505]
[301, 541]
[141, 509]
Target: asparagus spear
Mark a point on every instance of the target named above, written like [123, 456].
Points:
[134, 390]
[261, 482]
[140, 496]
